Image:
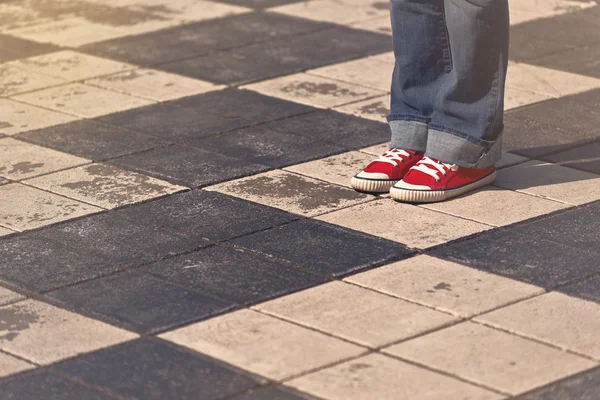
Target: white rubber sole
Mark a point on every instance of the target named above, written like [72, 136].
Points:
[432, 196]
[372, 185]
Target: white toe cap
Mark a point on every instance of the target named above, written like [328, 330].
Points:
[410, 186]
[372, 175]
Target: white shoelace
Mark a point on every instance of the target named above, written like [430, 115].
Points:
[439, 166]
[393, 155]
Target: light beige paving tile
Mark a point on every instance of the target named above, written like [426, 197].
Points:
[17, 117]
[376, 150]
[44, 334]
[495, 206]
[376, 376]
[71, 65]
[444, 285]
[353, 72]
[11, 365]
[551, 181]
[387, 57]
[514, 98]
[376, 108]
[528, 10]
[17, 80]
[8, 296]
[509, 159]
[263, 344]
[24, 207]
[490, 357]
[547, 82]
[104, 185]
[5, 231]
[356, 314]
[377, 24]
[404, 223]
[291, 192]
[152, 84]
[16, 14]
[21, 160]
[82, 100]
[190, 10]
[556, 318]
[336, 11]
[313, 90]
[338, 169]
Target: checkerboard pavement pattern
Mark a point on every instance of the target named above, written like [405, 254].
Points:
[176, 221]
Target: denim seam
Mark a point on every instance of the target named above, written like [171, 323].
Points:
[475, 140]
[447, 51]
[408, 117]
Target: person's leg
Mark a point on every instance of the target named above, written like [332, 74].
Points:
[421, 50]
[467, 122]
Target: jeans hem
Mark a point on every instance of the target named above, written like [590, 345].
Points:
[463, 150]
[409, 134]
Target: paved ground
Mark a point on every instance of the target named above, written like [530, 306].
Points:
[177, 222]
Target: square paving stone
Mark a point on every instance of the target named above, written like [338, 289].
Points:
[262, 344]
[210, 215]
[444, 285]
[44, 334]
[201, 38]
[92, 140]
[323, 248]
[139, 302]
[266, 144]
[189, 166]
[585, 158]
[16, 80]
[233, 275]
[588, 289]
[17, 117]
[581, 60]
[36, 264]
[576, 228]
[45, 385]
[24, 207]
[10, 365]
[583, 386]
[376, 108]
[292, 192]
[499, 360]
[272, 392]
[590, 99]
[555, 318]
[104, 185]
[155, 369]
[380, 76]
[12, 48]
[20, 160]
[375, 376]
[335, 11]
[282, 57]
[356, 314]
[8, 296]
[525, 258]
[121, 241]
[206, 114]
[346, 130]
[259, 4]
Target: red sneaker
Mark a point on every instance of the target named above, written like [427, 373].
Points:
[430, 180]
[381, 174]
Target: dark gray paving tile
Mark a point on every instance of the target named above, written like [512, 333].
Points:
[259, 4]
[281, 57]
[138, 302]
[588, 289]
[233, 275]
[589, 99]
[577, 228]
[41, 384]
[273, 393]
[35, 264]
[585, 158]
[201, 38]
[149, 369]
[92, 140]
[210, 215]
[524, 48]
[12, 48]
[323, 248]
[582, 60]
[342, 129]
[524, 258]
[205, 114]
[583, 386]
[119, 240]
[189, 166]
[266, 144]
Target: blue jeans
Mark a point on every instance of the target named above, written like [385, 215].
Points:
[448, 85]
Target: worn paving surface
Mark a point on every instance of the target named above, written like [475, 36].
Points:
[176, 219]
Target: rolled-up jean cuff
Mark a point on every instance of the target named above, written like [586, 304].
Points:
[466, 152]
[408, 135]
